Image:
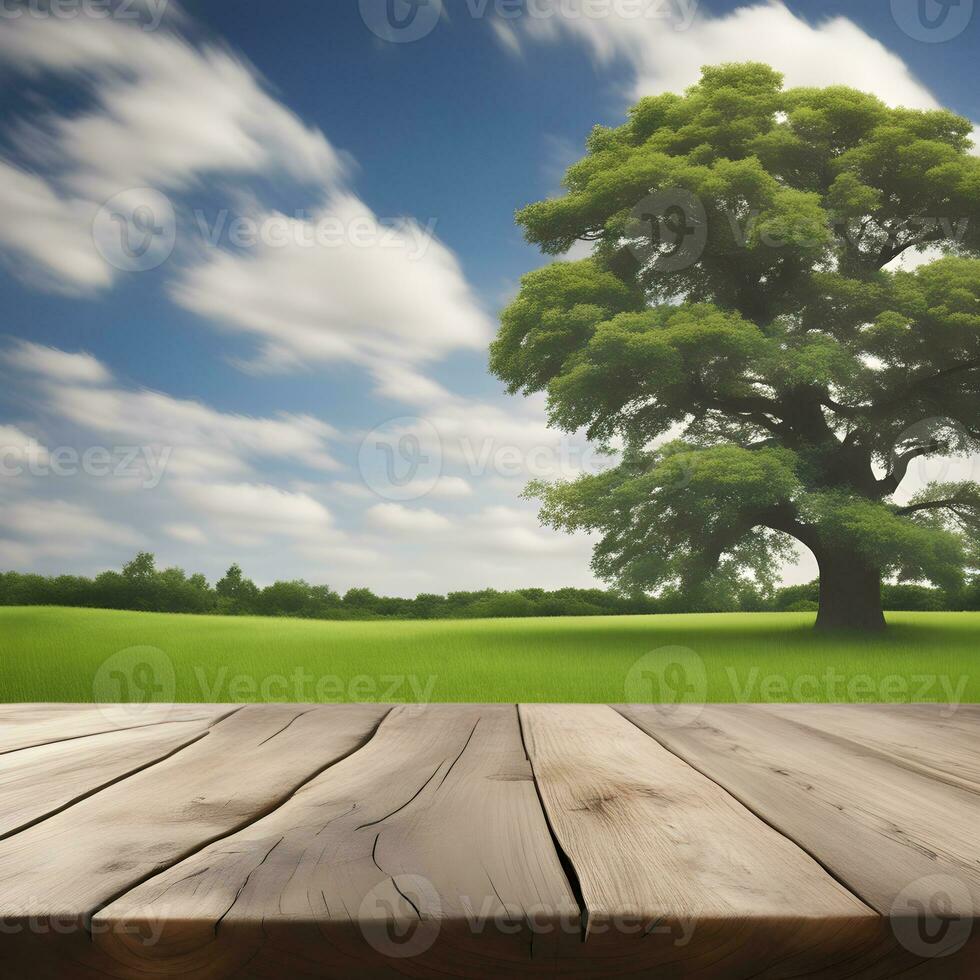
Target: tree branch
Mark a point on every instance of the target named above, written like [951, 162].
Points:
[927, 505]
[900, 466]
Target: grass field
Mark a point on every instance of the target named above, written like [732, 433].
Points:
[54, 654]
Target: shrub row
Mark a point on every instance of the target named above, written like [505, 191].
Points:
[140, 586]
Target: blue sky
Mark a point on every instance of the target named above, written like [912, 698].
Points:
[252, 385]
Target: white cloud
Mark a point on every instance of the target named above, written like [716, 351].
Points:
[506, 36]
[833, 51]
[224, 497]
[187, 533]
[199, 440]
[20, 454]
[49, 234]
[163, 114]
[514, 532]
[407, 520]
[250, 507]
[386, 296]
[508, 440]
[200, 476]
[58, 527]
[57, 365]
[151, 123]
[446, 487]
[337, 284]
[380, 296]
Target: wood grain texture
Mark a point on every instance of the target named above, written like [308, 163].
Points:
[937, 740]
[877, 824]
[655, 843]
[36, 782]
[426, 852]
[26, 725]
[65, 868]
[756, 843]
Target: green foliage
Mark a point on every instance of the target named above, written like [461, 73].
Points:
[782, 360]
[172, 591]
[140, 587]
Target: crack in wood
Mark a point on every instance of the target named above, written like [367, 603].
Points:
[103, 786]
[411, 799]
[243, 885]
[113, 731]
[567, 865]
[252, 819]
[391, 878]
[284, 727]
[460, 756]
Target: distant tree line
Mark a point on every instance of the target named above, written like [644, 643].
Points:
[141, 586]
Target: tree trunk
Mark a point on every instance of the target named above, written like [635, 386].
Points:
[850, 594]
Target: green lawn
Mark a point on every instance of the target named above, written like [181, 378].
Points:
[54, 654]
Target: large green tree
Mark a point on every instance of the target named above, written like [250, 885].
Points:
[737, 341]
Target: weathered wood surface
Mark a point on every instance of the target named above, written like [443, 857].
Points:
[26, 725]
[655, 843]
[939, 741]
[435, 821]
[880, 825]
[489, 840]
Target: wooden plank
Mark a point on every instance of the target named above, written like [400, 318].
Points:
[26, 725]
[425, 852]
[655, 843]
[67, 867]
[253, 852]
[937, 740]
[36, 782]
[879, 826]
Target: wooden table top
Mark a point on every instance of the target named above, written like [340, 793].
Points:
[281, 840]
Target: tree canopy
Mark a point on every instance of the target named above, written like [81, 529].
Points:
[738, 338]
